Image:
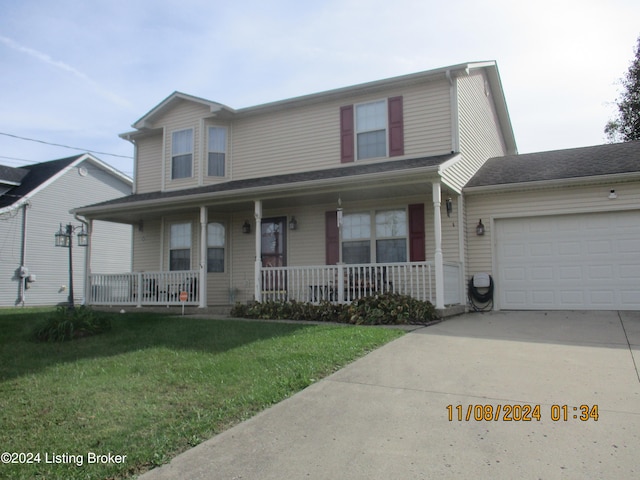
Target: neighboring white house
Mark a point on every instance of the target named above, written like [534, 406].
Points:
[34, 201]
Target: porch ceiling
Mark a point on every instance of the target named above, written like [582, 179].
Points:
[385, 180]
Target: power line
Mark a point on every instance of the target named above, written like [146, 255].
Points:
[64, 146]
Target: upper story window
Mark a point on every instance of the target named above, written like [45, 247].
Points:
[180, 246]
[215, 247]
[217, 151]
[182, 154]
[371, 130]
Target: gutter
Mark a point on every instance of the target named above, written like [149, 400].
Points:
[553, 183]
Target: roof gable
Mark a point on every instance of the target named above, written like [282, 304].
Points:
[37, 176]
[147, 120]
[574, 163]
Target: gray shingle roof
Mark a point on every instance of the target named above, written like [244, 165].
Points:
[610, 159]
[284, 180]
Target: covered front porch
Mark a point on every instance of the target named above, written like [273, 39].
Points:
[339, 283]
[327, 236]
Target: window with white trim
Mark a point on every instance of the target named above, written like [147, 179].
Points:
[217, 152]
[215, 247]
[180, 246]
[386, 242]
[182, 154]
[371, 129]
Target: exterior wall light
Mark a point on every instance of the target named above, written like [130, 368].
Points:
[293, 224]
[246, 227]
[480, 228]
[449, 205]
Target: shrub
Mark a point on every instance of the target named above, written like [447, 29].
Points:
[383, 309]
[67, 324]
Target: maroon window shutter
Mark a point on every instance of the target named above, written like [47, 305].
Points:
[347, 139]
[332, 238]
[416, 233]
[396, 127]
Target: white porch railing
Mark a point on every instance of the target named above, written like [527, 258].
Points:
[345, 283]
[143, 288]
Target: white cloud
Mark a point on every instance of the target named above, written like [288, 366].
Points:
[48, 60]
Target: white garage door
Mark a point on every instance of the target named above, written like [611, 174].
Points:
[585, 262]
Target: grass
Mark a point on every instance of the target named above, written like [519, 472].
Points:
[152, 387]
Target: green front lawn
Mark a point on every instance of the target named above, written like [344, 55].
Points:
[151, 387]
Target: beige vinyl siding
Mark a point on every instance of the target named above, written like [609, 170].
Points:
[149, 164]
[548, 201]
[146, 246]
[242, 257]
[184, 115]
[480, 134]
[112, 256]
[304, 139]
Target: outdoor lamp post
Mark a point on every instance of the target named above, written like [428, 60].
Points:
[64, 238]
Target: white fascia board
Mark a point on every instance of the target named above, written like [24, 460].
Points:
[555, 183]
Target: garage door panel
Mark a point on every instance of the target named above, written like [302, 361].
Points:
[570, 272]
[601, 247]
[540, 249]
[584, 261]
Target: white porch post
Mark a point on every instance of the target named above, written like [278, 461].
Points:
[258, 239]
[202, 284]
[437, 229]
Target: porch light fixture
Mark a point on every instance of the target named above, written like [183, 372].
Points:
[246, 227]
[64, 238]
[449, 206]
[613, 195]
[480, 228]
[293, 224]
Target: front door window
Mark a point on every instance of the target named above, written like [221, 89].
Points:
[274, 238]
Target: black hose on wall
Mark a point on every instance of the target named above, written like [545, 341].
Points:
[481, 301]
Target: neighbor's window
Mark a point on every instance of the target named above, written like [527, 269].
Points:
[180, 247]
[217, 151]
[215, 247]
[371, 129]
[385, 243]
[181, 154]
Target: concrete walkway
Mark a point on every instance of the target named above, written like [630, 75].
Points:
[386, 416]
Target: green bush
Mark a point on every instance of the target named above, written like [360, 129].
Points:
[67, 324]
[383, 309]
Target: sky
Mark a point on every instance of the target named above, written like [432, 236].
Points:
[78, 73]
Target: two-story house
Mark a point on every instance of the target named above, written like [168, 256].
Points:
[327, 196]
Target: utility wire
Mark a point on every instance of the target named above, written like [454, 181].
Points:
[64, 146]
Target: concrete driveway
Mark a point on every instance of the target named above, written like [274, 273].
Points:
[395, 414]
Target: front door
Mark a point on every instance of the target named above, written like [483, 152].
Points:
[274, 242]
[274, 248]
